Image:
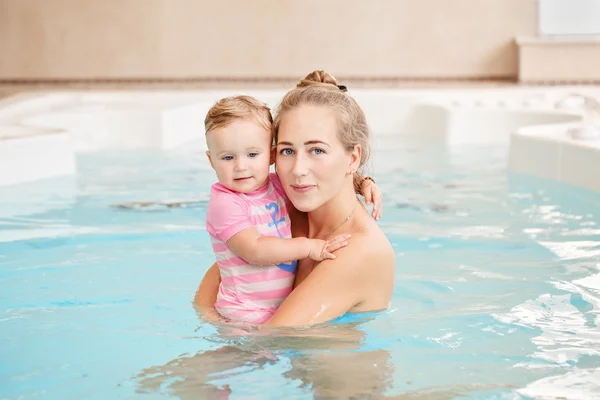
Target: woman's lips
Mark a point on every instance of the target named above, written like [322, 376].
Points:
[302, 188]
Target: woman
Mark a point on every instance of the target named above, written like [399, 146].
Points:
[322, 140]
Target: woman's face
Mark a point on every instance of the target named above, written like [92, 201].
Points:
[311, 162]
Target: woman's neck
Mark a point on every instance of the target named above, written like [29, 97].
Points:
[332, 217]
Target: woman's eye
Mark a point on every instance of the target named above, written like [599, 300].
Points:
[286, 152]
[317, 151]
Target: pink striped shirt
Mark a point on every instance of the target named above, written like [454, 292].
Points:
[249, 293]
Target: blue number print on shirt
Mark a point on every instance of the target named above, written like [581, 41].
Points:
[291, 267]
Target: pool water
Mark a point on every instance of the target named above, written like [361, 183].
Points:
[497, 288]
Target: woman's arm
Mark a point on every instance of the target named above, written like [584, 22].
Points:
[206, 295]
[333, 288]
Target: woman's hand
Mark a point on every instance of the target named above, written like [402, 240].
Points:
[210, 314]
[206, 296]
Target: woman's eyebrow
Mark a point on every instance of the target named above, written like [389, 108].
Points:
[305, 143]
[317, 142]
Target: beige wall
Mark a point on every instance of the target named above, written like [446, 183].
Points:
[56, 39]
[574, 59]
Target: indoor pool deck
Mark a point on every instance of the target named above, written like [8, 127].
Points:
[551, 132]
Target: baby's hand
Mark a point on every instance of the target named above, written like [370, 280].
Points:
[322, 249]
[372, 194]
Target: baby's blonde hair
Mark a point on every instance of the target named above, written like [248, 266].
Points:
[229, 109]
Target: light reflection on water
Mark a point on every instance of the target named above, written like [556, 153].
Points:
[497, 288]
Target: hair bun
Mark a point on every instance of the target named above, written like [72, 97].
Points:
[321, 78]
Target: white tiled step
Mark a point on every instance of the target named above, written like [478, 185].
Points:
[551, 152]
[34, 154]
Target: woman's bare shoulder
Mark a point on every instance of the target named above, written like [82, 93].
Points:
[369, 256]
[373, 246]
[368, 250]
[374, 262]
[372, 240]
[360, 278]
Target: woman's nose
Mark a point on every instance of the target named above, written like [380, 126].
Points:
[300, 166]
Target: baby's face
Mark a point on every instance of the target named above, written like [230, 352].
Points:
[240, 154]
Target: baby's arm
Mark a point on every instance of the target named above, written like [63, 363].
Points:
[228, 219]
[269, 250]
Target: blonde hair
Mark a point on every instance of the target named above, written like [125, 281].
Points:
[229, 109]
[321, 89]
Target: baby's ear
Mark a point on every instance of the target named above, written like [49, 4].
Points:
[210, 159]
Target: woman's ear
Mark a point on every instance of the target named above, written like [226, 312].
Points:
[355, 158]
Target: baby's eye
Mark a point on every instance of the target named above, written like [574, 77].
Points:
[227, 158]
[317, 151]
[252, 155]
[286, 152]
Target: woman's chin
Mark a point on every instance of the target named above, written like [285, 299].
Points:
[303, 208]
[303, 205]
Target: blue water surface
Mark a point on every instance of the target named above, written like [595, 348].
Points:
[497, 288]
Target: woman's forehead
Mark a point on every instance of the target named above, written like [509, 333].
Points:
[307, 121]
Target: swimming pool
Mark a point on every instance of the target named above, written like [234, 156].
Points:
[497, 287]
